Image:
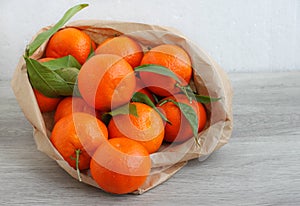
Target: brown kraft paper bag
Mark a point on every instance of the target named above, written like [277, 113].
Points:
[208, 79]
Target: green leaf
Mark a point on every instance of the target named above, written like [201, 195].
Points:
[206, 99]
[63, 62]
[125, 109]
[143, 98]
[157, 69]
[188, 112]
[199, 98]
[155, 98]
[49, 82]
[187, 91]
[69, 74]
[44, 36]
[76, 92]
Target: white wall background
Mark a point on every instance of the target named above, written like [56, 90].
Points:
[241, 35]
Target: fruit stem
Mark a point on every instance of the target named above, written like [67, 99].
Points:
[186, 90]
[197, 141]
[78, 151]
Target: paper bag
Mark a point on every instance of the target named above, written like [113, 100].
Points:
[208, 79]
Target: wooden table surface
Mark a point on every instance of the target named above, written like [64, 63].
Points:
[259, 166]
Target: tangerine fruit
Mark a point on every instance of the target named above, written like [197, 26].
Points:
[180, 129]
[148, 93]
[122, 46]
[69, 41]
[46, 104]
[172, 57]
[70, 105]
[78, 131]
[106, 81]
[120, 166]
[147, 127]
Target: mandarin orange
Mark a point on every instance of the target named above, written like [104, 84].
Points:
[106, 81]
[70, 105]
[46, 104]
[120, 166]
[78, 132]
[122, 46]
[180, 129]
[147, 127]
[172, 57]
[69, 41]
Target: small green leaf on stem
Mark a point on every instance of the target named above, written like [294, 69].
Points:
[125, 109]
[140, 97]
[199, 98]
[187, 91]
[51, 83]
[63, 62]
[44, 36]
[189, 114]
[157, 69]
[206, 99]
[69, 75]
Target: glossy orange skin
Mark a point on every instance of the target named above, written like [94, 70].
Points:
[69, 41]
[45, 59]
[174, 58]
[78, 131]
[147, 128]
[180, 130]
[106, 81]
[94, 46]
[120, 166]
[46, 104]
[122, 46]
[70, 105]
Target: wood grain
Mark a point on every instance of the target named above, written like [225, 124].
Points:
[259, 166]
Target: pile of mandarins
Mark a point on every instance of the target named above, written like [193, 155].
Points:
[119, 112]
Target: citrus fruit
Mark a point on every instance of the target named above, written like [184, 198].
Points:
[180, 129]
[69, 41]
[94, 46]
[147, 127]
[70, 105]
[148, 93]
[46, 104]
[120, 166]
[172, 57]
[78, 131]
[122, 46]
[106, 81]
[140, 87]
